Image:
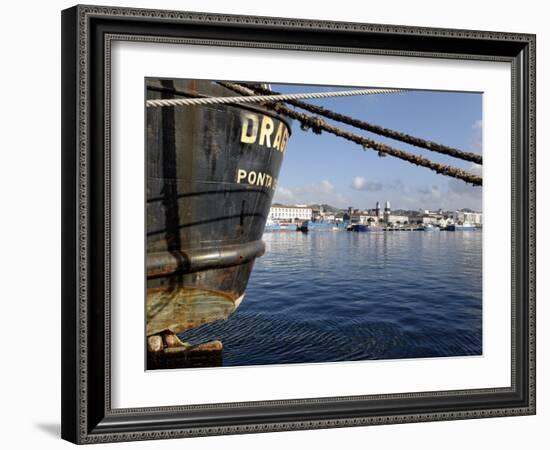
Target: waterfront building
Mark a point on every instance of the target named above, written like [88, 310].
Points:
[316, 212]
[289, 213]
[397, 219]
[394, 219]
[468, 217]
[377, 216]
[440, 218]
[433, 219]
[428, 212]
[367, 219]
[355, 218]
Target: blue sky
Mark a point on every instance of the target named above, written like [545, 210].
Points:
[328, 169]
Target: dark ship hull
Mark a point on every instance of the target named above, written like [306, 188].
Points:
[211, 175]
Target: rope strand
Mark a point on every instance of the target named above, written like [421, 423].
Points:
[377, 129]
[317, 125]
[262, 98]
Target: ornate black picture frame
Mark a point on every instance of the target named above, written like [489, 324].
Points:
[87, 34]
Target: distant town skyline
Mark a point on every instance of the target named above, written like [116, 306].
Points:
[371, 207]
[281, 215]
[327, 169]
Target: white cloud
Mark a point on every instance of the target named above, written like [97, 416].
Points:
[398, 186]
[320, 192]
[451, 195]
[456, 194]
[433, 192]
[476, 140]
[284, 195]
[325, 186]
[362, 184]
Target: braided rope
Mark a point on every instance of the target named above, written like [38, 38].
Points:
[367, 126]
[317, 125]
[263, 98]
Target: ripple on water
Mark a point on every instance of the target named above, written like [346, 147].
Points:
[337, 296]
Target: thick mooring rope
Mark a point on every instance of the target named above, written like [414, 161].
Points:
[317, 125]
[263, 98]
[377, 129]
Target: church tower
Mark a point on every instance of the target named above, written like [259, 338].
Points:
[387, 212]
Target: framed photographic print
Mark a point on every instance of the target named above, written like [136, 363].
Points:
[267, 222]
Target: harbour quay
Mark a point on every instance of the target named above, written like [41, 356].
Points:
[324, 217]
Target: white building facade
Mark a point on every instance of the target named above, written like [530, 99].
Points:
[287, 213]
[473, 218]
[437, 220]
[397, 219]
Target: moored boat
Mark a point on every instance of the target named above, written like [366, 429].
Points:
[279, 226]
[362, 228]
[324, 226]
[461, 227]
[211, 174]
[429, 227]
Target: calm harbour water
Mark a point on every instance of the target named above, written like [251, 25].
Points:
[345, 296]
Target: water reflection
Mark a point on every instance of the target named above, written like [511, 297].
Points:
[339, 296]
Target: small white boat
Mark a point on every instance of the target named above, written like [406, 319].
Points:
[430, 227]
